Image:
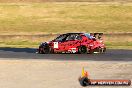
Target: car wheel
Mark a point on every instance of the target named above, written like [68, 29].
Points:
[82, 50]
[47, 49]
[40, 50]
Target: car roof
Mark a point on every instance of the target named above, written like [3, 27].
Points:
[74, 33]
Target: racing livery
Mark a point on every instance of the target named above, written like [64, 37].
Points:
[74, 43]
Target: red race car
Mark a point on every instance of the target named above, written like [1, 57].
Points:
[74, 43]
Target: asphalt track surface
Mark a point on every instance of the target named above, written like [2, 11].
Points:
[29, 53]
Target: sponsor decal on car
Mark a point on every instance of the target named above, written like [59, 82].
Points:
[73, 50]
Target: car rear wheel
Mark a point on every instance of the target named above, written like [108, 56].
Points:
[82, 49]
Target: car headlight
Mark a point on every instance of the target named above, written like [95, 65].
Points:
[42, 43]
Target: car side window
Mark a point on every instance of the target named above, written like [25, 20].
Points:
[78, 37]
[71, 37]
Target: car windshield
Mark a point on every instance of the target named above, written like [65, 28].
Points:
[88, 36]
[61, 37]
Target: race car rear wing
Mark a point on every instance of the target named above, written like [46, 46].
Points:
[97, 35]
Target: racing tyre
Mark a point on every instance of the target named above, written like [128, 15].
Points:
[40, 50]
[82, 50]
[47, 50]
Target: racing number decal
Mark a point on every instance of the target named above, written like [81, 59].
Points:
[55, 44]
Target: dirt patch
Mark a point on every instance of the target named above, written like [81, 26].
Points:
[58, 74]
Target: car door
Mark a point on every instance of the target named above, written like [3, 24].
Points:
[59, 43]
[63, 44]
[72, 42]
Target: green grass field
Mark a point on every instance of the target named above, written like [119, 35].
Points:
[35, 18]
[65, 1]
[61, 17]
